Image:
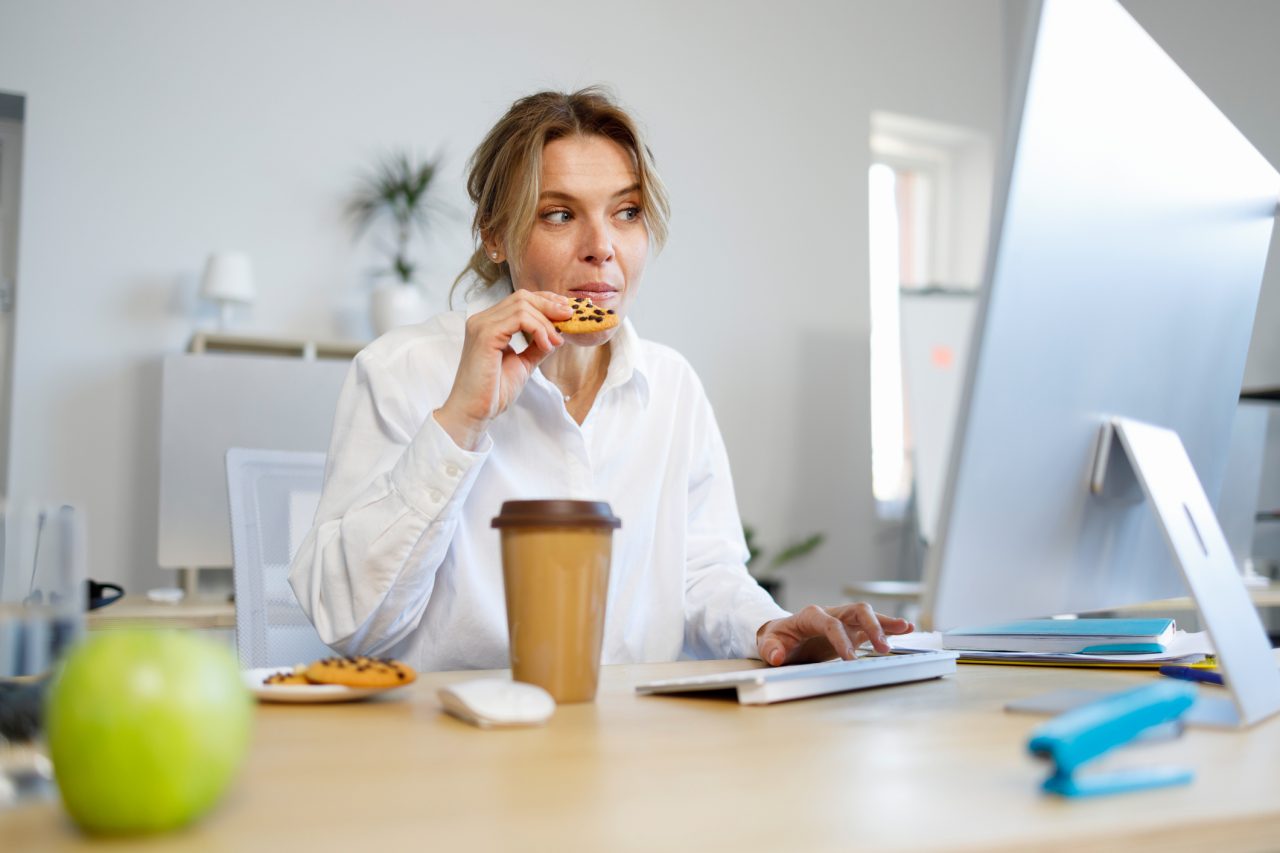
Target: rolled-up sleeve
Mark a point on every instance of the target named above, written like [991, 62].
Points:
[394, 486]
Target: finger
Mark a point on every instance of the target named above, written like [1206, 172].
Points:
[861, 622]
[895, 625]
[837, 635]
[871, 626]
[535, 354]
[552, 304]
[545, 302]
[520, 316]
[867, 621]
[772, 650]
[533, 317]
[545, 336]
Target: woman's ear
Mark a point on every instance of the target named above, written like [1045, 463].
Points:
[493, 249]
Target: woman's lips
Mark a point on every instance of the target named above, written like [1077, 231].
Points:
[599, 297]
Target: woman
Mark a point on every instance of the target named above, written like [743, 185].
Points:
[439, 423]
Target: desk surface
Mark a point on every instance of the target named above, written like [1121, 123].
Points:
[935, 765]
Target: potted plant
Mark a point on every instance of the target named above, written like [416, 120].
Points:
[396, 192]
[766, 574]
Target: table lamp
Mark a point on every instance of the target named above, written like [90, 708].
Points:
[227, 279]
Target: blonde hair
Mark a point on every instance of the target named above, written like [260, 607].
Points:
[505, 175]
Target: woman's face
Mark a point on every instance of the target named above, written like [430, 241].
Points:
[589, 236]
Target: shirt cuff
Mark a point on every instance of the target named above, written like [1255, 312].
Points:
[749, 618]
[434, 471]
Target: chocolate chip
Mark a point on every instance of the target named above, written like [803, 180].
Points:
[610, 311]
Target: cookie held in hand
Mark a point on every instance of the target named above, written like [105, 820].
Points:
[587, 317]
[360, 672]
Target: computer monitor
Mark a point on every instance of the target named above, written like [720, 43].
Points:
[1129, 237]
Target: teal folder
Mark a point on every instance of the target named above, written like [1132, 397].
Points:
[1066, 636]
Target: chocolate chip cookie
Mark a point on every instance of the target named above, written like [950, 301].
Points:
[360, 671]
[587, 317]
[296, 676]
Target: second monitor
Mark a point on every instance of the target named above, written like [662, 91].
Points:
[1128, 251]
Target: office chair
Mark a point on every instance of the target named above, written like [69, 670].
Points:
[273, 496]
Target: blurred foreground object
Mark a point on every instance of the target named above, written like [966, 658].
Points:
[146, 729]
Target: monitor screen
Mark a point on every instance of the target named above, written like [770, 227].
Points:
[1130, 233]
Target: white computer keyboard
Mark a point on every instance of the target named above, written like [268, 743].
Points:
[778, 684]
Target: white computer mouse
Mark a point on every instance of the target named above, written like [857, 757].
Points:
[489, 702]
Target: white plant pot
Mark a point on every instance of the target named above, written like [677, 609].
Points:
[392, 305]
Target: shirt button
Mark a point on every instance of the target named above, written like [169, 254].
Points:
[451, 470]
[435, 497]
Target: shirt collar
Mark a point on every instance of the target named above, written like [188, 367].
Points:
[627, 362]
[626, 359]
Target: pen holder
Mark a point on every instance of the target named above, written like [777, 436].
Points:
[1083, 734]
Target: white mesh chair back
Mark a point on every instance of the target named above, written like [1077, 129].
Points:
[273, 496]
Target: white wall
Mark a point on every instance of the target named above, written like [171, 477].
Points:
[157, 132]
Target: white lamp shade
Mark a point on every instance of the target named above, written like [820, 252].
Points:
[228, 278]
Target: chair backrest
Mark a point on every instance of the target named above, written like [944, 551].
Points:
[273, 496]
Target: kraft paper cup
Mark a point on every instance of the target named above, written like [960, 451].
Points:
[555, 569]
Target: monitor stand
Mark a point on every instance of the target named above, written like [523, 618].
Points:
[1137, 459]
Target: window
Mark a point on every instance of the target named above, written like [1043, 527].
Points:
[929, 190]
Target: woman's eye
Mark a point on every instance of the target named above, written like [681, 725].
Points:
[629, 214]
[558, 217]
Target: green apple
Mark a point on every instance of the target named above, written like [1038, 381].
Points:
[146, 728]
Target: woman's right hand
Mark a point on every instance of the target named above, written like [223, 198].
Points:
[491, 375]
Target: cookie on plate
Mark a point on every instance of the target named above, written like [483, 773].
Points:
[587, 317]
[297, 675]
[360, 671]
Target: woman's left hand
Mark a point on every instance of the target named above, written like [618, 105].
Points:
[821, 633]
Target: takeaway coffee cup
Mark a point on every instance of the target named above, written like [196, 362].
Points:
[555, 568]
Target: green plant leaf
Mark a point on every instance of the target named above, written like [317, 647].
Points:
[798, 550]
[403, 269]
[397, 190]
[753, 550]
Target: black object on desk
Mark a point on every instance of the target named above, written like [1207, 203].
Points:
[102, 594]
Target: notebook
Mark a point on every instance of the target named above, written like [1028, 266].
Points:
[1066, 636]
[779, 684]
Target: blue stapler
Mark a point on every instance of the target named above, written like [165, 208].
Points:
[1082, 734]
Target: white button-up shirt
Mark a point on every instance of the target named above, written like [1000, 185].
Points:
[402, 560]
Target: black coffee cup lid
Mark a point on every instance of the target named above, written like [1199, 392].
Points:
[556, 513]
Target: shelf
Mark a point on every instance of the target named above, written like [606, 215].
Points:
[139, 610]
[211, 342]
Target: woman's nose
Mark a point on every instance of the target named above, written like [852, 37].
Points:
[597, 247]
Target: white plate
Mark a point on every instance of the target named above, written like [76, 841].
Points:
[303, 693]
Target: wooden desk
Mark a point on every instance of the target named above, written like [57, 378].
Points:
[935, 765]
[1262, 597]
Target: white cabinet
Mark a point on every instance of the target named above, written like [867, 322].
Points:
[214, 401]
